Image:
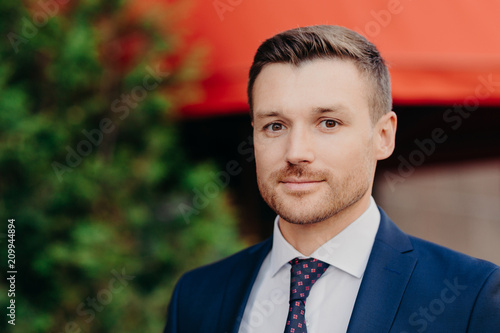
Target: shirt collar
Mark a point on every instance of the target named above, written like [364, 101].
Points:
[348, 251]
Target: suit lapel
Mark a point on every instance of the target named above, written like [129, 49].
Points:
[239, 287]
[387, 273]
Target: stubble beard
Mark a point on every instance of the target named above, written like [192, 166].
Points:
[307, 208]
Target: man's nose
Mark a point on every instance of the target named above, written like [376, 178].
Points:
[299, 147]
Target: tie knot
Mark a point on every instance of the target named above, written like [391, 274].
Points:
[304, 273]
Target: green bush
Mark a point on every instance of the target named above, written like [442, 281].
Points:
[94, 179]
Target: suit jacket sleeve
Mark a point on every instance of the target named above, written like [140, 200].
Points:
[485, 315]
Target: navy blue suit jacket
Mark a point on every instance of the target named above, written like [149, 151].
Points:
[410, 285]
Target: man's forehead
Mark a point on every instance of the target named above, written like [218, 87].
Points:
[319, 86]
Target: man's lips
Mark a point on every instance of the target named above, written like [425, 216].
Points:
[300, 184]
[300, 180]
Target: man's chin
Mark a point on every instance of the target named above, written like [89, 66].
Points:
[299, 210]
[302, 218]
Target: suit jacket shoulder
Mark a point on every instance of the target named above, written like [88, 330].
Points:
[463, 290]
[412, 285]
[212, 298]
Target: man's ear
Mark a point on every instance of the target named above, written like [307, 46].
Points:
[385, 135]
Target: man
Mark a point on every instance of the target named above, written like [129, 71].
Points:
[320, 101]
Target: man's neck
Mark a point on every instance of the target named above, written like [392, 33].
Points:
[307, 238]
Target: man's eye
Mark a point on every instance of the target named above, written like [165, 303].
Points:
[329, 123]
[274, 127]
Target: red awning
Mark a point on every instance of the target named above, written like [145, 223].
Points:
[439, 52]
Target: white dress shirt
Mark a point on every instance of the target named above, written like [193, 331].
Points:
[331, 300]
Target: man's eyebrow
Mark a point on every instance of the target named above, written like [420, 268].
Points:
[340, 109]
[267, 114]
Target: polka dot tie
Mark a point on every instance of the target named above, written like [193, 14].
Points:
[304, 273]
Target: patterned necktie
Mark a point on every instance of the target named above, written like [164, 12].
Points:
[304, 273]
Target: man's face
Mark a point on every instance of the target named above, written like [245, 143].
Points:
[313, 138]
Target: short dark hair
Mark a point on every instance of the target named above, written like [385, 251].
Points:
[298, 45]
